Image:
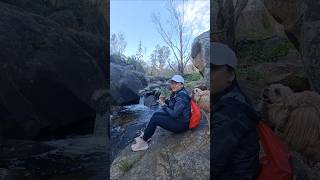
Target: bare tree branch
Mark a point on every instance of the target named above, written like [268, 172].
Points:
[180, 41]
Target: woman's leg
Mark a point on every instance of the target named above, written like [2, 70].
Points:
[165, 121]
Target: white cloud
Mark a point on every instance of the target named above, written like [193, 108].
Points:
[197, 15]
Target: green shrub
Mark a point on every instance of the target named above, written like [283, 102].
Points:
[192, 77]
[249, 74]
[165, 91]
[263, 51]
[125, 165]
[190, 85]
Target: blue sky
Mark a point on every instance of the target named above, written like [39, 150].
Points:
[133, 18]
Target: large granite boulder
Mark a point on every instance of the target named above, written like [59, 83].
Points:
[79, 15]
[301, 23]
[125, 84]
[200, 53]
[255, 23]
[170, 156]
[50, 82]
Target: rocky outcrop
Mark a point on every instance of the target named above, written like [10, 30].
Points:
[288, 14]
[255, 23]
[50, 80]
[288, 74]
[125, 84]
[78, 15]
[170, 156]
[200, 53]
[301, 21]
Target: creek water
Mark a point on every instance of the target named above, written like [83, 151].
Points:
[73, 157]
[127, 123]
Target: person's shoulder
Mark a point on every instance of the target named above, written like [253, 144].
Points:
[183, 94]
[237, 112]
[230, 108]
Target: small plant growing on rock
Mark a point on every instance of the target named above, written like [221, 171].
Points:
[125, 165]
[249, 74]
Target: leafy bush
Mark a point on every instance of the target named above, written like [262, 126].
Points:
[165, 91]
[249, 74]
[192, 77]
[263, 50]
[190, 85]
[125, 165]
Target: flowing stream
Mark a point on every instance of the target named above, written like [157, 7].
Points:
[127, 124]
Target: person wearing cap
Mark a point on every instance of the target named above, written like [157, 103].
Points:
[235, 142]
[174, 115]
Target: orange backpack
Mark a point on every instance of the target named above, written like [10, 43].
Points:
[275, 163]
[195, 115]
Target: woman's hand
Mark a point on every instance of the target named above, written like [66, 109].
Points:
[161, 103]
[161, 100]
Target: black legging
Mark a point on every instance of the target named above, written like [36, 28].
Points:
[165, 121]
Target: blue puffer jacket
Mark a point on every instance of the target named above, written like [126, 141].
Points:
[178, 106]
[235, 142]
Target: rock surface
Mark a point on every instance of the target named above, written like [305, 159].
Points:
[170, 156]
[288, 74]
[44, 72]
[301, 23]
[125, 84]
[200, 53]
[82, 157]
[260, 26]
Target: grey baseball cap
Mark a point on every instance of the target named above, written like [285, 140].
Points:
[178, 79]
[221, 54]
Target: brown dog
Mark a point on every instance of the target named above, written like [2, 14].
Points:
[295, 116]
[202, 98]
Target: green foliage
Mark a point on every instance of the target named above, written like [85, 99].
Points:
[192, 77]
[165, 91]
[118, 58]
[263, 51]
[249, 74]
[190, 85]
[125, 165]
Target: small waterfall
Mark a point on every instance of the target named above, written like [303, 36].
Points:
[141, 100]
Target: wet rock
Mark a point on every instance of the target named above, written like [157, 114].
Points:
[170, 156]
[71, 158]
[150, 101]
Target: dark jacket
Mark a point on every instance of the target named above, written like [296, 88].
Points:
[178, 106]
[235, 142]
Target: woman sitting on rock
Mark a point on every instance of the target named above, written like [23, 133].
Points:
[174, 115]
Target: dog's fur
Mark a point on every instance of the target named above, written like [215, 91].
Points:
[295, 117]
[202, 98]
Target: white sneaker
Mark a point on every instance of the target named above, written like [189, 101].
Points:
[141, 145]
[140, 136]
